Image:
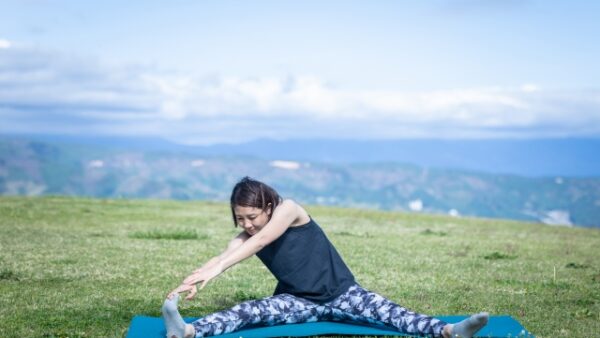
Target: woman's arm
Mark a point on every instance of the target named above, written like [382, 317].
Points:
[191, 287]
[283, 216]
[233, 244]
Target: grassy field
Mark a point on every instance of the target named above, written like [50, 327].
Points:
[73, 267]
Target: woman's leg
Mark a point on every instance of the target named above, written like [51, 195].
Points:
[361, 305]
[279, 309]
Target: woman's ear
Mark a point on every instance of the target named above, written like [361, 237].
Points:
[269, 209]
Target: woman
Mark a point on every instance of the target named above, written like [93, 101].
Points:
[314, 283]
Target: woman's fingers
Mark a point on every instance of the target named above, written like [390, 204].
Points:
[172, 294]
[201, 275]
[192, 293]
[192, 289]
[179, 289]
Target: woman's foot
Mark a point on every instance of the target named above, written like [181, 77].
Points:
[176, 327]
[468, 327]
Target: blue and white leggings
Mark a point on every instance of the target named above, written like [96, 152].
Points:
[355, 305]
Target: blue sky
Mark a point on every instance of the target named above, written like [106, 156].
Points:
[231, 71]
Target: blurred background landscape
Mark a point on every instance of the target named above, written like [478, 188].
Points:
[551, 181]
[462, 108]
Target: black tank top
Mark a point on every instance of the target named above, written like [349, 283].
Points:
[306, 264]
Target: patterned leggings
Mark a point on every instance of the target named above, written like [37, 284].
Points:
[355, 305]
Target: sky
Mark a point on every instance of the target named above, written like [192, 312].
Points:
[202, 72]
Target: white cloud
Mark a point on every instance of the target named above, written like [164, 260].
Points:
[44, 92]
[96, 164]
[5, 44]
[529, 88]
[197, 163]
[311, 98]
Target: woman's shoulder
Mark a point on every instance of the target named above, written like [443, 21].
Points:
[301, 217]
[289, 204]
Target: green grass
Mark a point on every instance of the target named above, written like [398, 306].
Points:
[73, 267]
[180, 234]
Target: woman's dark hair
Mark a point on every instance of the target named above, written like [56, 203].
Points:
[252, 193]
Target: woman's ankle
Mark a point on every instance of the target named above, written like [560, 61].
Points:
[189, 331]
[447, 331]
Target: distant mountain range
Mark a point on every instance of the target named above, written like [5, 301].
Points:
[315, 172]
[570, 157]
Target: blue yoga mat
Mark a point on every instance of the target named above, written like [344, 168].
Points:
[153, 327]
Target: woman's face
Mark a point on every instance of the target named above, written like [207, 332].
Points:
[251, 219]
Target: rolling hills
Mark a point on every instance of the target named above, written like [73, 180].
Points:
[29, 167]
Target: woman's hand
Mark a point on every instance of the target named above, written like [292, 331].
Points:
[194, 275]
[184, 288]
[204, 275]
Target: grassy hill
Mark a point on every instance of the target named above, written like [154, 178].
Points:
[75, 267]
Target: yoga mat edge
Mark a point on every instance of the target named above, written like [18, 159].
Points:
[498, 326]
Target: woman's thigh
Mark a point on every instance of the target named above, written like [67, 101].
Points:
[361, 305]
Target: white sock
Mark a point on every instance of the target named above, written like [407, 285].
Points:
[468, 327]
[173, 321]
